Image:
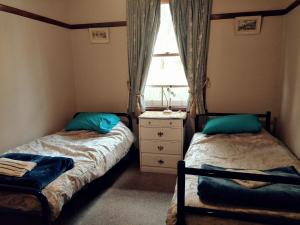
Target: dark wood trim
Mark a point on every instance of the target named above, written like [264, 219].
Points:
[33, 16]
[277, 12]
[23, 13]
[94, 25]
[292, 6]
[223, 16]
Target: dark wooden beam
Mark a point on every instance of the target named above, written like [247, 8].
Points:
[93, 25]
[278, 12]
[292, 6]
[221, 16]
[33, 16]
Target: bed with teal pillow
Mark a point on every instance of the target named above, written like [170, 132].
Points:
[100, 122]
[232, 124]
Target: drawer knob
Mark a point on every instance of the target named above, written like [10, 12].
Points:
[149, 122]
[171, 123]
[160, 148]
[160, 162]
[159, 134]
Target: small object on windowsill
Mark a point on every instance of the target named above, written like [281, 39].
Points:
[167, 111]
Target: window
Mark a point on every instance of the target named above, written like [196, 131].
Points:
[166, 84]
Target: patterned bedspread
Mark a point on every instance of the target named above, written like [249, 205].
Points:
[245, 151]
[93, 153]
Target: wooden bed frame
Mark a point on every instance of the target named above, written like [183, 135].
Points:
[182, 171]
[45, 208]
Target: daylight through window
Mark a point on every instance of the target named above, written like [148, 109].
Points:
[166, 84]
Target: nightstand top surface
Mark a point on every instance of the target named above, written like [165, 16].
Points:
[162, 115]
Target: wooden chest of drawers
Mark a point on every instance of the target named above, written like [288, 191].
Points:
[161, 139]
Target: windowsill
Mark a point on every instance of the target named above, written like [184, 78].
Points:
[183, 109]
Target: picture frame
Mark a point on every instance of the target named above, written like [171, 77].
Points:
[99, 35]
[248, 25]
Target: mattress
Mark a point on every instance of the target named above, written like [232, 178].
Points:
[243, 151]
[93, 154]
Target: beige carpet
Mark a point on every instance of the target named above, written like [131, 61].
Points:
[129, 197]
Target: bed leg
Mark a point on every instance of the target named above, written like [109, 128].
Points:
[268, 121]
[46, 212]
[180, 192]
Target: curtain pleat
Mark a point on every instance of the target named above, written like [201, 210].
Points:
[143, 17]
[191, 19]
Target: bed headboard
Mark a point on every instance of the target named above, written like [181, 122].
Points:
[266, 118]
[126, 118]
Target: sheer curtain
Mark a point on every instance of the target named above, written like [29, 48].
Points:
[191, 19]
[143, 18]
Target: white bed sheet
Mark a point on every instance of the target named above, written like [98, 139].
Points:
[93, 154]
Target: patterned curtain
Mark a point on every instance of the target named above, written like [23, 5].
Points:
[191, 19]
[143, 17]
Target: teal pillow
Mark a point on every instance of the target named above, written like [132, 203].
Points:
[101, 122]
[233, 124]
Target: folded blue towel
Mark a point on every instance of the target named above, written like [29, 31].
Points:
[273, 196]
[47, 169]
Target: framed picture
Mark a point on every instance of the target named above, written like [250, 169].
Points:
[248, 25]
[99, 35]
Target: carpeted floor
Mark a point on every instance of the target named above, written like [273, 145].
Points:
[127, 197]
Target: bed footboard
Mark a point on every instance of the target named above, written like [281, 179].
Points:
[45, 212]
[182, 209]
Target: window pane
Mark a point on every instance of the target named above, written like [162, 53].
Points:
[154, 97]
[166, 39]
[166, 71]
[181, 96]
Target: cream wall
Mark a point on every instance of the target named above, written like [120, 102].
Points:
[249, 65]
[55, 9]
[91, 11]
[100, 70]
[36, 82]
[245, 70]
[290, 108]
[227, 6]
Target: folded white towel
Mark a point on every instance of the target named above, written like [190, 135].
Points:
[249, 183]
[16, 168]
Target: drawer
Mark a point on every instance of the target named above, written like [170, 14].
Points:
[151, 169]
[155, 160]
[161, 147]
[172, 134]
[160, 123]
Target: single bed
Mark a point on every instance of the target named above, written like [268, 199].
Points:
[93, 154]
[244, 151]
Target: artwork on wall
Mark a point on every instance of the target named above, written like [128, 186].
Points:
[99, 35]
[248, 25]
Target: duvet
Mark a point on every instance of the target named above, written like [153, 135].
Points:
[93, 154]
